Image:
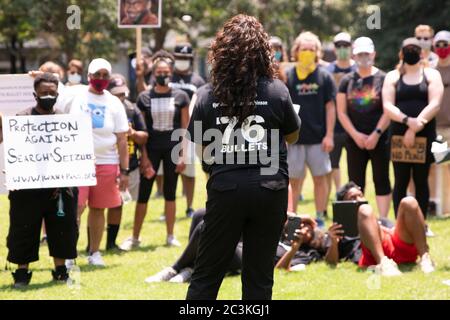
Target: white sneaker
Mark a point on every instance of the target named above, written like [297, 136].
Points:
[130, 243]
[428, 232]
[162, 217]
[164, 275]
[388, 268]
[96, 259]
[172, 241]
[183, 277]
[426, 264]
[70, 263]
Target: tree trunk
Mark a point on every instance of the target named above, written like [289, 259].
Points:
[12, 54]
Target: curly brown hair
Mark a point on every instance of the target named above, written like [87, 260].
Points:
[240, 55]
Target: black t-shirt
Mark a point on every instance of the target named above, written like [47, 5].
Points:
[188, 83]
[136, 121]
[162, 114]
[312, 94]
[338, 73]
[364, 101]
[250, 141]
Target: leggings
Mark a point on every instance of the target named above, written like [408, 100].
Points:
[402, 172]
[170, 176]
[357, 160]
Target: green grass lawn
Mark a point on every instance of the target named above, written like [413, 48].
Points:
[123, 278]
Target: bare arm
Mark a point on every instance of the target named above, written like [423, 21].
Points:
[122, 147]
[435, 94]
[285, 261]
[388, 94]
[139, 137]
[331, 118]
[341, 100]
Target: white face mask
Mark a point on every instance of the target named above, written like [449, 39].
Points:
[74, 78]
[182, 65]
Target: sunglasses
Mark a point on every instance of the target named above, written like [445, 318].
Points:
[441, 44]
[423, 38]
[342, 45]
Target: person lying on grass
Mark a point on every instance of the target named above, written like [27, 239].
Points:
[387, 247]
[308, 247]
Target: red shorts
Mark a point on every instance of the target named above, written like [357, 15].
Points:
[106, 193]
[393, 247]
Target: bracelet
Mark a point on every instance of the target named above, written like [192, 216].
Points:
[125, 172]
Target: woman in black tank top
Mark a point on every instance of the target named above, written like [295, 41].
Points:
[411, 97]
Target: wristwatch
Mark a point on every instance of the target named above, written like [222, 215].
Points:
[379, 131]
[125, 172]
[405, 120]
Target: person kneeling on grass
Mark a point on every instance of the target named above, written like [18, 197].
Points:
[387, 247]
[309, 245]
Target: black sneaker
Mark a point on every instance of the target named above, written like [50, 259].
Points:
[22, 278]
[189, 212]
[60, 274]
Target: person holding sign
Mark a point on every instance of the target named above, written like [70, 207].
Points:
[28, 207]
[412, 95]
[109, 128]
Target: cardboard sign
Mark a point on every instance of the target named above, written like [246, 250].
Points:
[48, 151]
[139, 13]
[416, 154]
[16, 94]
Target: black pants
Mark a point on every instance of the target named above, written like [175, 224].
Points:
[170, 177]
[27, 210]
[420, 172]
[340, 140]
[357, 160]
[187, 258]
[240, 203]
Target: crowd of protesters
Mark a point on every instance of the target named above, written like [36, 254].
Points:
[347, 104]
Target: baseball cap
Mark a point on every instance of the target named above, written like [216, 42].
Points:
[443, 35]
[118, 84]
[183, 50]
[363, 45]
[343, 37]
[276, 41]
[411, 42]
[98, 64]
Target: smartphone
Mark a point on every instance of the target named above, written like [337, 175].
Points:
[292, 225]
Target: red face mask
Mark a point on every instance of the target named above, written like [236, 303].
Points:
[99, 84]
[443, 52]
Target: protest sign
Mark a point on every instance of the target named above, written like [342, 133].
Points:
[139, 13]
[16, 94]
[416, 154]
[48, 151]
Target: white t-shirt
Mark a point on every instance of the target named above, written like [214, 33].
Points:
[108, 117]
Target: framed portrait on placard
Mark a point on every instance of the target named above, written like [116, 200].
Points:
[139, 13]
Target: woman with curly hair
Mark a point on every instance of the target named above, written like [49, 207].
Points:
[251, 117]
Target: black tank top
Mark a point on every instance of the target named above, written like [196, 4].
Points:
[411, 100]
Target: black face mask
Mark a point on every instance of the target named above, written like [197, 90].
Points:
[163, 80]
[411, 56]
[46, 102]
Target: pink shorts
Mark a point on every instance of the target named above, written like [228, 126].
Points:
[106, 193]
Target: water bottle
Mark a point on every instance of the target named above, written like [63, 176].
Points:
[125, 196]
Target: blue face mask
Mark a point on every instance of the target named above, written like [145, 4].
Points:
[278, 55]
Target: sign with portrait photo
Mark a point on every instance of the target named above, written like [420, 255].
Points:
[140, 13]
